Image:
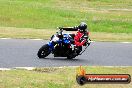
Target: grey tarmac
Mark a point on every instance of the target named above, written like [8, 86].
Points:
[23, 53]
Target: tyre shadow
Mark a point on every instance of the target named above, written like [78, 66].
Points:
[64, 59]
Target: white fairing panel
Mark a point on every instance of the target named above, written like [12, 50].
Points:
[55, 38]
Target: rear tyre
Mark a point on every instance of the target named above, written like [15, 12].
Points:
[43, 51]
[71, 56]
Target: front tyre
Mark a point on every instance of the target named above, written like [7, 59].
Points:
[43, 51]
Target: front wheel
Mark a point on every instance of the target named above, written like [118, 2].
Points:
[43, 51]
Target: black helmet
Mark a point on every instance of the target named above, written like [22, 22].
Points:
[82, 26]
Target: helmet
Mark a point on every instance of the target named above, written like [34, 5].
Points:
[82, 26]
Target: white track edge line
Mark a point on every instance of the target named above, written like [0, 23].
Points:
[126, 42]
[31, 68]
[43, 39]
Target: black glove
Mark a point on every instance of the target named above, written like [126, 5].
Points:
[86, 37]
[75, 28]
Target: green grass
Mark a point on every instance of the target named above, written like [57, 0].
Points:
[112, 16]
[58, 77]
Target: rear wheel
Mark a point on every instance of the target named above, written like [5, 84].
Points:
[71, 56]
[79, 49]
[43, 51]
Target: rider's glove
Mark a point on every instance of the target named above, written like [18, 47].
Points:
[86, 37]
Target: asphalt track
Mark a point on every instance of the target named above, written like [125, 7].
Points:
[22, 53]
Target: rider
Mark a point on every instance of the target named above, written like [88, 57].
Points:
[81, 37]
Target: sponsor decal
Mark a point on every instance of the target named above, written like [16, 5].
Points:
[83, 78]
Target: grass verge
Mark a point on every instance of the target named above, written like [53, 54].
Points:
[112, 16]
[108, 20]
[11, 32]
[58, 77]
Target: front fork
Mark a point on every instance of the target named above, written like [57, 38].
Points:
[52, 45]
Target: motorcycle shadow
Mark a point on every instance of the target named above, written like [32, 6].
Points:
[64, 59]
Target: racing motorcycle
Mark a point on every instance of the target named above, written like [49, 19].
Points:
[62, 45]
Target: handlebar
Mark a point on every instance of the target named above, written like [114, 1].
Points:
[69, 28]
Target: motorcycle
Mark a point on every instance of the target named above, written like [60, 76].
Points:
[62, 45]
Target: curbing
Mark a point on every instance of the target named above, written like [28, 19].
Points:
[5, 38]
[20, 38]
[26, 68]
[3, 69]
[126, 42]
